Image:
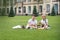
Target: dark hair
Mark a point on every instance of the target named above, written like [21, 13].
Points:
[33, 15]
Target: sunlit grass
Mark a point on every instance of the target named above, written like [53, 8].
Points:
[7, 33]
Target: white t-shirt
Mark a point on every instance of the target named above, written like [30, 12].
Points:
[30, 21]
[44, 21]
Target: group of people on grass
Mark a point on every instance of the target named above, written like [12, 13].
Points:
[32, 23]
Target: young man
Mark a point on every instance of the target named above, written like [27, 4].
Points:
[44, 22]
[32, 23]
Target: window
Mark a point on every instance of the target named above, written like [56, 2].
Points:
[19, 7]
[7, 2]
[48, 8]
[21, 0]
[15, 10]
[40, 8]
[19, 11]
[29, 0]
[3, 11]
[18, 0]
[35, 0]
[41, 1]
[29, 9]
[24, 0]
[47, 1]
[7, 10]
[55, 0]
[0, 10]
[24, 9]
[4, 2]
[0, 2]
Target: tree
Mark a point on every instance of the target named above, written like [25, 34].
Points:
[11, 14]
[35, 11]
[53, 11]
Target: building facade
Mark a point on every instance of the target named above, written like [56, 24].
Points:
[22, 7]
[5, 6]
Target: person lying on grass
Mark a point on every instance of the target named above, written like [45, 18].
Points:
[43, 23]
[32, 23]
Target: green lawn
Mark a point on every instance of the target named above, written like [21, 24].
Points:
[7, 33]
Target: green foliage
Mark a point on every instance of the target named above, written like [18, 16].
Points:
[53, 12]
[35, 11]
[11, 14]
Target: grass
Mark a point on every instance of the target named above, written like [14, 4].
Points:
[7, 33]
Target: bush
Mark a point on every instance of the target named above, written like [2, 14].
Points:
[53, 12]
[26, 14]
[11, 14]
[48, 14]
[35, 11]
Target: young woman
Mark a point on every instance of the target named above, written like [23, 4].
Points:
[43, 22]
[32, 23]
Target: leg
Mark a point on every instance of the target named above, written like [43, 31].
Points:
[28, 26]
